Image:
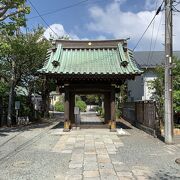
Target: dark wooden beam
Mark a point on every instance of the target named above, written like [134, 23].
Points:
[107, 109]
[90, 78]
[72, 105]
[113, 106]
[66, 104]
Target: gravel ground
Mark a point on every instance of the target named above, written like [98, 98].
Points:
[141, 149]
[45, 152]
[26, 154]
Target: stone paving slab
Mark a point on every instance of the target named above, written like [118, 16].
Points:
[90, 153]
[93, 156]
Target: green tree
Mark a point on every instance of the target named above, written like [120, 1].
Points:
[82, 105]
[28, 52]
[92, 99]
[3, 88]
[59, 106]
[176, 85]
[158, 85]
[12, 15]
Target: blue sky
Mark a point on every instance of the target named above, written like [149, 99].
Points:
[104, 19]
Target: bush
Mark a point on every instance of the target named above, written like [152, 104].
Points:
[118, 113]
[81, 105]
[25, 108]
[59, 107]
[100, 111]
[97, 108]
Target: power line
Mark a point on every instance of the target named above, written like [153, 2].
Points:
[175, 3]
[152, 47]
[152, 35]
[42, 18]
[156, 37]
[157, 12]
[63, 8]
[175, 9]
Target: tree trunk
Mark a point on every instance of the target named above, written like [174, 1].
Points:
[45, 99]
[1, 110]
[31, 106]
[11, 97]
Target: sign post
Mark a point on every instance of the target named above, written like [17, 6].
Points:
[76, 113]
[17, 107]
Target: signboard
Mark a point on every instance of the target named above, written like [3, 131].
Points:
[76, 110]
[17, 105]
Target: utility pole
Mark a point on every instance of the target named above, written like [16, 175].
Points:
[168, 115]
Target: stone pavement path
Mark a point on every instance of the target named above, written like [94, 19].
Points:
[90, 118]
[91, 152]
[48, 153]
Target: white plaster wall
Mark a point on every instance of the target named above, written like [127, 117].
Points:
[139, 88]
[135, 89]
[148, 77]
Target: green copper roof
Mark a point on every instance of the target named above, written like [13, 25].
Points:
[92, 60]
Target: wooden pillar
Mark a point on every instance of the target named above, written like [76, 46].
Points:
[113, 110]
[66, 109]
[72, 104]
[107, 109]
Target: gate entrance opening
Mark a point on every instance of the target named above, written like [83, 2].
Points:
[91, 109]
[90, 67]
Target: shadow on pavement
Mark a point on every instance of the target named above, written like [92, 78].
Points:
[91, 123]
[5, 130]
[2, 134]
[123, 125]
[60, 125]
[166, 175]
[88, 125]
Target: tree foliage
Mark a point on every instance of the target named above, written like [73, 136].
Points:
[12, 15]
[28, 52]
[158, 94]
[59, 106]
[176, 85]
[158, 85]
[82, 105]
[3, 88]
[90, 99]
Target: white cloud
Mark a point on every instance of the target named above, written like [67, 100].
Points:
[57, 31]
[101, 37]
[152, 4]
[119, 24]
[73, 36]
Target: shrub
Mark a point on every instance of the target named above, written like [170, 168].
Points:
[97, 108]
[25, 107]
[81, 105]
[100, 111]
[118, 113]
[59, 107]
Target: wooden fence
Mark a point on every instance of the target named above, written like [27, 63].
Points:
[3, 113]
[142, 114]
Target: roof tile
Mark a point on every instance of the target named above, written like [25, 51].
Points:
[90, 61]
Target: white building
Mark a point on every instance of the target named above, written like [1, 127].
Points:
[139, 89]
